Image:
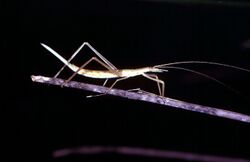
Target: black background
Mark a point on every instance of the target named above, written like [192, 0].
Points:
[42, 118]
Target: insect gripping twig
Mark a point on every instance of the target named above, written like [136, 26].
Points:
[148, 97]
[122, 74]
[111, 72]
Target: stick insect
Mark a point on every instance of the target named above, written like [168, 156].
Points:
[148, 72]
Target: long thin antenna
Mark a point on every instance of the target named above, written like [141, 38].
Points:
[203, 75]
[202, 62]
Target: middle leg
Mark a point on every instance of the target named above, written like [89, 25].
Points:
[162, 88]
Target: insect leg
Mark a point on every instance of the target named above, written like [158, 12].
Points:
[158, 84]
[96, 53]
[158, 81]
[137, 90]
[71, 58]
[101, 57]
[117, 80]
[105, 82]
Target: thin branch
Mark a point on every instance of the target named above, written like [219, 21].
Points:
[148, 97]
[144, 152]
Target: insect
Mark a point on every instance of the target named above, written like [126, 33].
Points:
[148, 72]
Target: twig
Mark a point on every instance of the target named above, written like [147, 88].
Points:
[145, 152]
[146, 97]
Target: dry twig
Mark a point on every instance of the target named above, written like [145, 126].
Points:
[146, 97]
